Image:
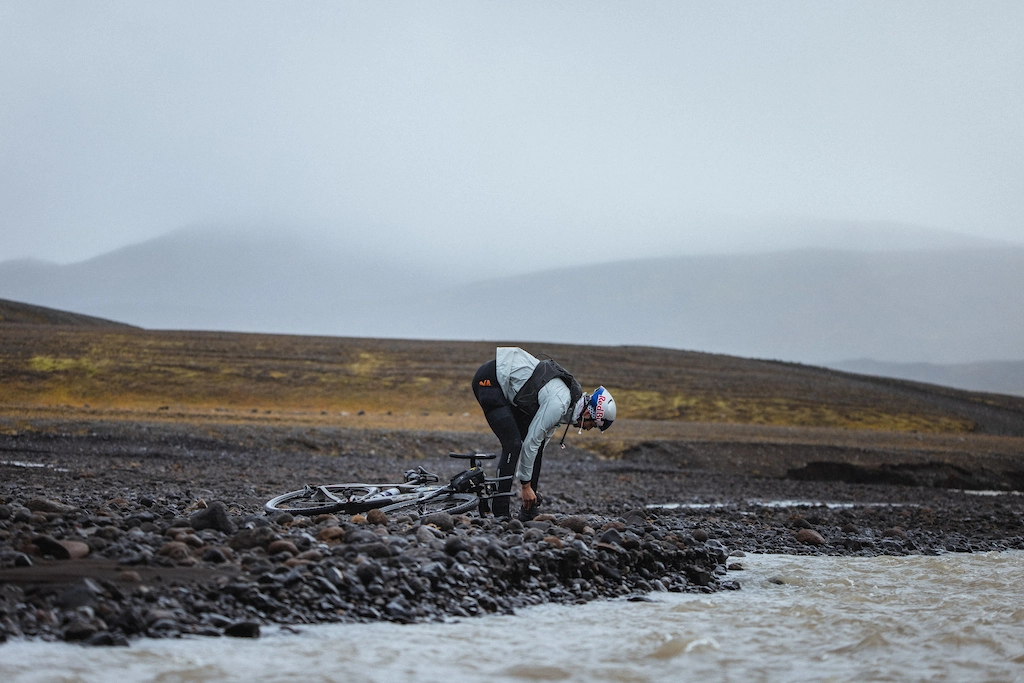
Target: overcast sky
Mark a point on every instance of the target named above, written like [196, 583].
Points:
[509, 131]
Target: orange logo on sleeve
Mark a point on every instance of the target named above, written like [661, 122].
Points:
[485, 382]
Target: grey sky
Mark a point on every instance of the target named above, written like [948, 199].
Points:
[504, 129]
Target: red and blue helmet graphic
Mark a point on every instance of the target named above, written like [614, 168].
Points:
[601, 407]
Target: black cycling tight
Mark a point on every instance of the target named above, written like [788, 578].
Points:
[509, 425]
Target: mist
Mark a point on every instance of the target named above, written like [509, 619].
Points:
[522, 136]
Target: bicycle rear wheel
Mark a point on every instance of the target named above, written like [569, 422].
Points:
[452, 503]
[316, 500]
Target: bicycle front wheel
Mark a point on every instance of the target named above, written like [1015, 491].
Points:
[317, 500]
[452, 503]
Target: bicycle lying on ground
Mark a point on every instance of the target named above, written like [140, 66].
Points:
[418, 493]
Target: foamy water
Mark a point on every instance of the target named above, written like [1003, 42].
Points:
[946, 618]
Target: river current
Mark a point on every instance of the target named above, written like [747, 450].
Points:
[947, 618]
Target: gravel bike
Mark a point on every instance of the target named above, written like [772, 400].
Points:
[418, 493]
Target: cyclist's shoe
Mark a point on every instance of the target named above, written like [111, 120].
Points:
[527, 515]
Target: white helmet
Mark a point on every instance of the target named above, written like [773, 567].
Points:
[601, 407]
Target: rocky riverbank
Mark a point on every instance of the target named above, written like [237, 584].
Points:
[111, 532]
[137, 568]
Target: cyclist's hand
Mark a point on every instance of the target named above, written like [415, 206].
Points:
[529, 497]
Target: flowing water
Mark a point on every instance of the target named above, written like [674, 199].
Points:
[945, 618]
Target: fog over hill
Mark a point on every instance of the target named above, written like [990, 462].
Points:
[809, 306]
[1001, 377]
[959, 304]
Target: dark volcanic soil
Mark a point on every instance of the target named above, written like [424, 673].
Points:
[163, 533]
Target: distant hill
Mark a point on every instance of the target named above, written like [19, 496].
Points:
[217, 281]
[14, 312]
[809, 306]
[1003, 377]
[943, 306]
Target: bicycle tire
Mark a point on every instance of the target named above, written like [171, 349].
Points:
[452, 503]
[310, 501]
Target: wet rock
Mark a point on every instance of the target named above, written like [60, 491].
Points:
[76, 549]
[282, 545]
[376, 517]
[442, 520]
[630, 541]
[79, 629]
[895, 532]
[635, 517]
[283, 518]
[697, 575]
[106, 639]
[214, 516]
[457, 544]
[44, 505]
[376, 550]
[400, 610]
[215, 556]
[810, 537]
[717, 550]
[368, 571]
[425, 534]
[800, 523]
[574, 523]
[850, 528]
[259, 537]
[97, 544]
[699, 535]
[433, 571]
[243, 629]
[611, 536]
[357, 536]
[331, 534]
[131, 621]
[61, 550]
[609, 572]
[175, 550]
[83, 594]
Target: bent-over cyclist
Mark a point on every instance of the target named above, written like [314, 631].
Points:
[525, 400]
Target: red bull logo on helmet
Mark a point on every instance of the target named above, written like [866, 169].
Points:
[599, 405]
[599, 408]
[597, 402]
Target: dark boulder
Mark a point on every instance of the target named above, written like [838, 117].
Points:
[214, 516]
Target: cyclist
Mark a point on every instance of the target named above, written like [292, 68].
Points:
[525, 400]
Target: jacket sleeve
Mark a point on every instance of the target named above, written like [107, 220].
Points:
[554, 403]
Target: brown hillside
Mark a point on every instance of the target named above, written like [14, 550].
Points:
[137, 370]
[677, 409]
[15, 312]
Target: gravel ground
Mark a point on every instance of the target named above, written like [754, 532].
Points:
[111, 531]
